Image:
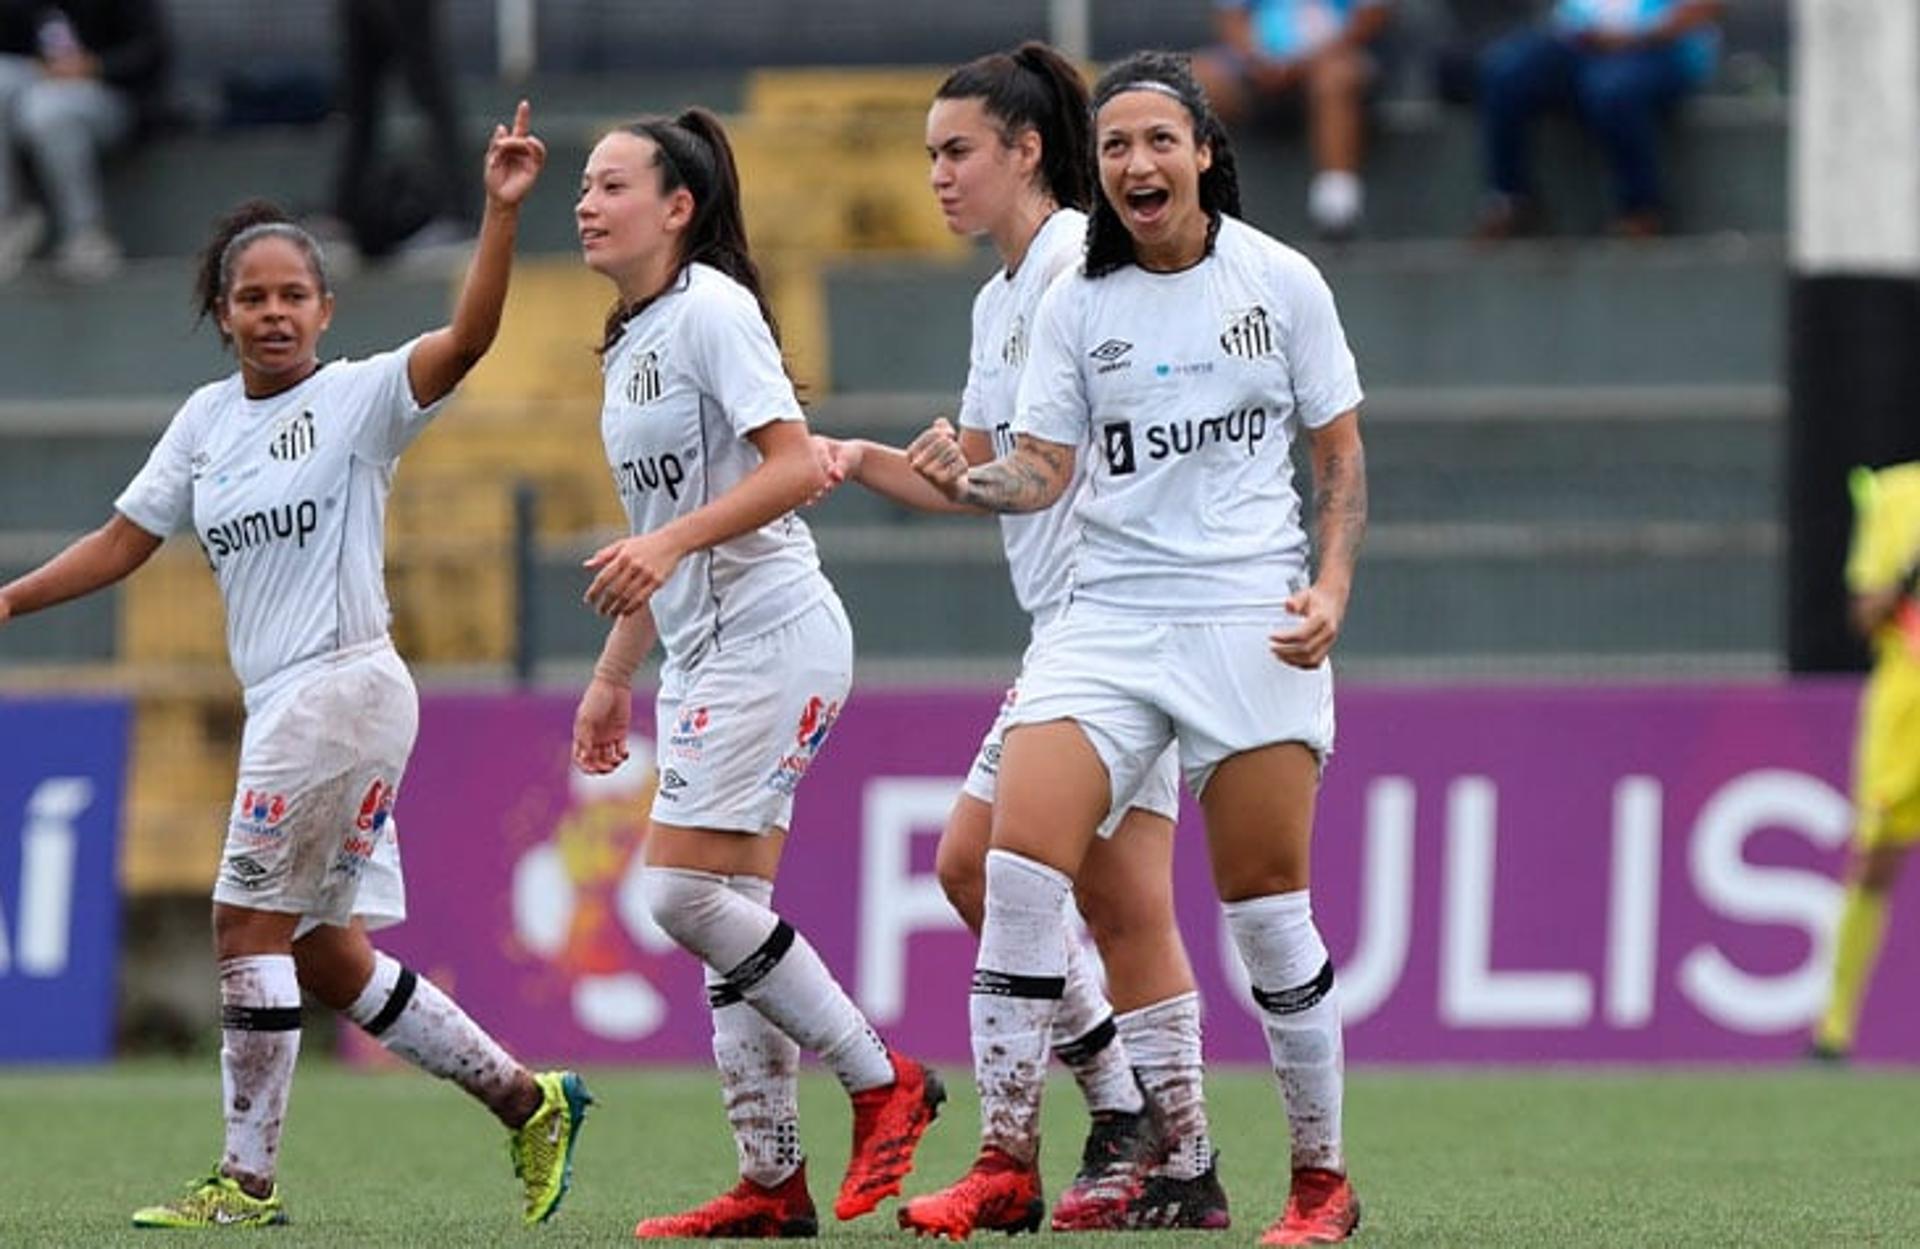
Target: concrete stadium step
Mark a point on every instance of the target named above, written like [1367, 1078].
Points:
[1672, 312]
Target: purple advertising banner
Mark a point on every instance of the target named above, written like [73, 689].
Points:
[1502, 874]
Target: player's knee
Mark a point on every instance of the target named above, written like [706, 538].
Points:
[963, 879]
[685, 904]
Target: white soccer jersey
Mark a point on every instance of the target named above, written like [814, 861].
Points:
[688, 380]
[287, 496]
[1039, 544]
[1184, 390]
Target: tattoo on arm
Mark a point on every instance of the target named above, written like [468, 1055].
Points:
[1340, 508]
[1028, 479]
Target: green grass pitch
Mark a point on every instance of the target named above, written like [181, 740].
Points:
[1536, 1158]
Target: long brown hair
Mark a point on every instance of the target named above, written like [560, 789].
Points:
[692, 151]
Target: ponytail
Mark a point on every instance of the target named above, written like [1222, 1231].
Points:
[692, 151]
[246, 224]
[1035, 88]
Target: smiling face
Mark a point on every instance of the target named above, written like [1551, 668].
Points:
[1150, 167]
[976, 175]
[627, 227]
[274, 311]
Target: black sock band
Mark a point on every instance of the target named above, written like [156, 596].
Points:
[758, 965]
[260, 1018]
[1082, 1049]
[1304, 997]
[396, 1002]
[1003, 984]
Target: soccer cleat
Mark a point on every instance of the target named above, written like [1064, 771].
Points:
[542, 1147]
[1322, 1209]
[888, 1123]
[1121, 1148]
[1823, 1054]
[996, 1194]
[746, 1212]
[217, 1201]
[1198, 1204]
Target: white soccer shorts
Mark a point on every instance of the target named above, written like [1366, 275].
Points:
[312, 830]
[737, 732]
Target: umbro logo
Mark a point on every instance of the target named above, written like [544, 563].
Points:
[671, 780]
[1111, 350]
[293, 440]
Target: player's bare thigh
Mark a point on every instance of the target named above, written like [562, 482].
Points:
[1259, 806]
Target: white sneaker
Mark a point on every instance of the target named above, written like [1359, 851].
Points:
[92, 255]
[21, 234]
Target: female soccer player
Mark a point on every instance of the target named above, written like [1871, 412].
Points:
[1188, 350]
[1007, 137]
[710, 455]
[282, 470]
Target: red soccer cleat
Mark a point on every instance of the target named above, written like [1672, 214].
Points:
[888, 1123]
[996, 1194]
[747, 1212]
[1321, 1210]
[1121, 1148]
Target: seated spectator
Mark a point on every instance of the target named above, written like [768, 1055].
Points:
[1313, 53]
[1616, 65]
[77, 77]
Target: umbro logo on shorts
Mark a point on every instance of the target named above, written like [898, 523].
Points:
[670, 781]
[293, 440]
[1249, 333]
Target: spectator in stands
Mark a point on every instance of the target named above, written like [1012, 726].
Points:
[389, 205]
[1316, 54]
[1617, 65]
[77, 77]
[1883, 569]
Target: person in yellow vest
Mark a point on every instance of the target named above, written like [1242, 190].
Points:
[1883, 569]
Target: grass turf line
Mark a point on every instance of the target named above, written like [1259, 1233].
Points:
[1701, 1157]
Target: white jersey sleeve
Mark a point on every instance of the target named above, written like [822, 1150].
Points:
[1052, 403]
[1326, 383]
[732, 357]
[159, 499]
[390, 416]
[974, 405]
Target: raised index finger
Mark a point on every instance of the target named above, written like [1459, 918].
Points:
[521, 115]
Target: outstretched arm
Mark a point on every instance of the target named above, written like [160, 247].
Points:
[886, 471]
[95, 561]
[1027, 479]
[442, 358]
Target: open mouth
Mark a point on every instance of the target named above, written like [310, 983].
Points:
[591, 235]
[276, 342]
[1147, 204]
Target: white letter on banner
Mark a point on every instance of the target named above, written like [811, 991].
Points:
[895, 903]
[1633, 911]
[1472, 994]
[1368, 979]
[47, 853]
[1769, 798]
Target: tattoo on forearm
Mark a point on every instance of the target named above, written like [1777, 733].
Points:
[1340, 508]
[1029, 478]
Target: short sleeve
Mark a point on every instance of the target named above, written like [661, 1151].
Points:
[1053, 391]
[381, 396]
[159, 499]
[732, 357]
[973, 414]
[1319, 362]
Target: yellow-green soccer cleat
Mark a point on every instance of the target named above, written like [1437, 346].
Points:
[216, 1201]
[542, 1147]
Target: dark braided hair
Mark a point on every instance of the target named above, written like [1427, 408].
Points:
[245, 225]
[1035, 88]
[1109, 246]
[692, 151]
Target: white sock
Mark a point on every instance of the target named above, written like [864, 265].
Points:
[1335, 199]
[409, 1015]
[1017, 985]
[773, 967]
[1163, 1041]
[259, 1040]
[759, 1070]
[1086, 1040]
[1293, 984]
